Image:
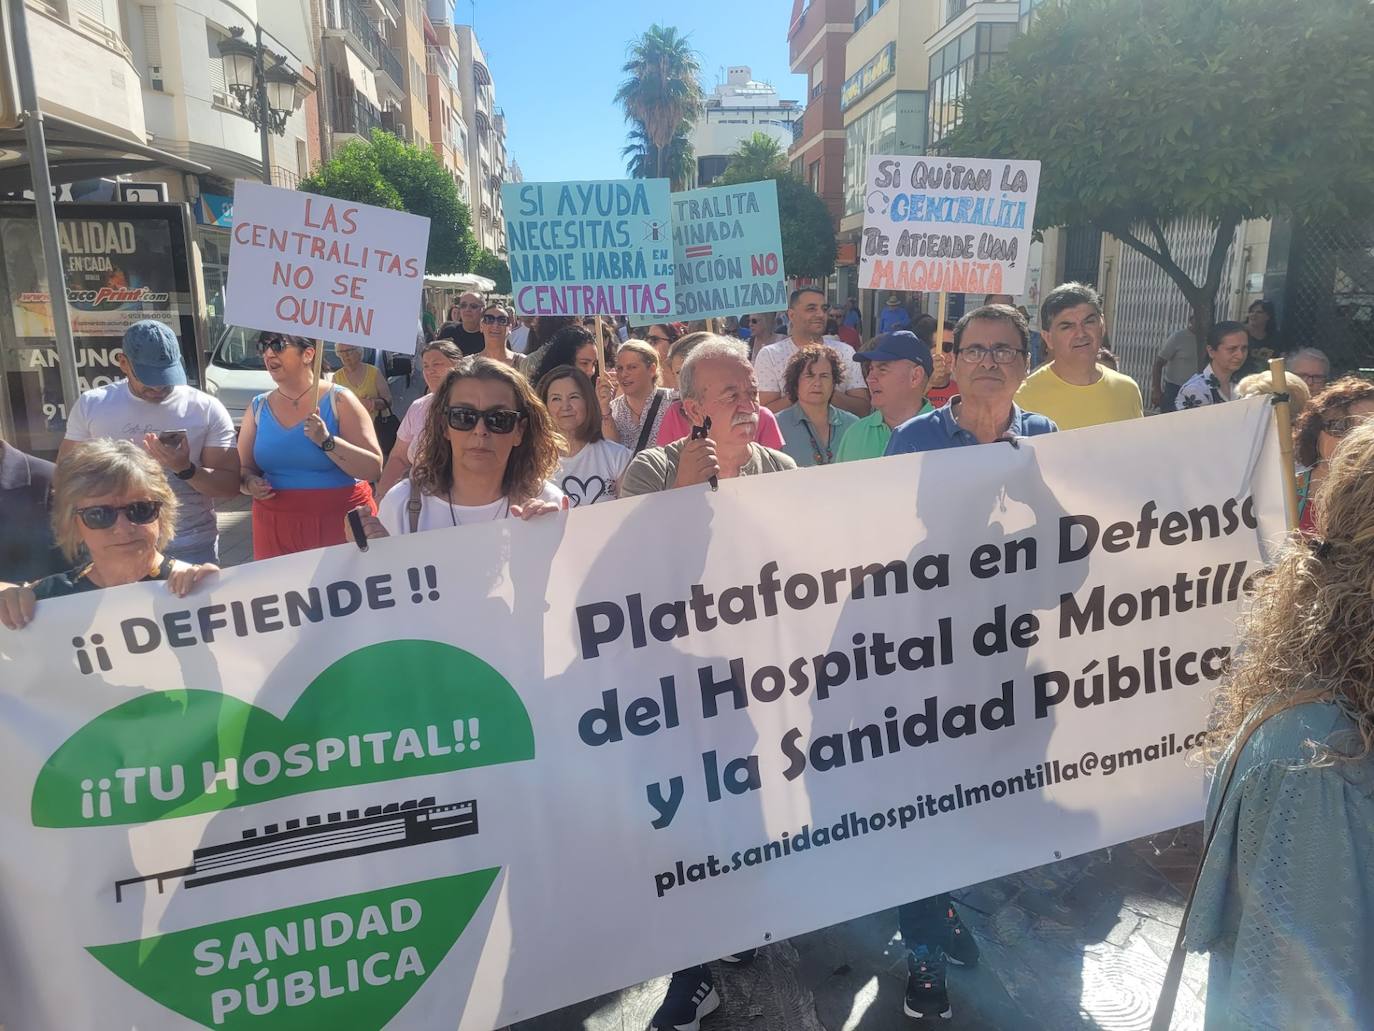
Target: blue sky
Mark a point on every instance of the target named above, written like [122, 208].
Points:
[556, 67]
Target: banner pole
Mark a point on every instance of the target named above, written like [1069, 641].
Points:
[319, 369]
[600, 350]
[1283, 418]
[940, 307]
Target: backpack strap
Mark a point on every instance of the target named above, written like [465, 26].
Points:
[649, 417]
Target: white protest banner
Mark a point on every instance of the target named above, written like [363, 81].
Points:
[324, 268]
[590, 248]
[958, 225]
[475, 774]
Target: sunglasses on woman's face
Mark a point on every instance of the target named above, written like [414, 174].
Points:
[274, 344]
[102, 517]
[496, 320]
[498, 420]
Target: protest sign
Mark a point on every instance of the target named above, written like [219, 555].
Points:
[475, 774]
[727, 247]
[324, 268]
[954, 225]
[590, 248]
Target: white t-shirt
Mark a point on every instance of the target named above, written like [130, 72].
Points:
[437, 513]
[112, 412]
[771, 362]
[592, 474]
[412, 423]
[519, 337]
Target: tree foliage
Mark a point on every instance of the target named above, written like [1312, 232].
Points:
[643, 162]
[808, 234]
[389, 173]
[489, 265]
[1144, 111]
[661, 92]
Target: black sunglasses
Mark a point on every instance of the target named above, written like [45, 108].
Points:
[498, 420]
[102, 517]
[496, 320]
[274, 344]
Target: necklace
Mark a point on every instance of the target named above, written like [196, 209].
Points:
[821, 458]
[295, 400]
[501, 512]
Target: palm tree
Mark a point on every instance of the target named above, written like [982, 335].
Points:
[643, 160]
[758, 158]
[663, 89]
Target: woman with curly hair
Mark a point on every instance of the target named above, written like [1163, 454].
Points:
[1285, 896]
[1328, 417]
[812, 427]
[486, 452]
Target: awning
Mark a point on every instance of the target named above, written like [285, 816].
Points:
[77, 152]
[363, 79]
[460, 281]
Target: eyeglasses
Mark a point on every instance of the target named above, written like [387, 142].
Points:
[657, 338]
[498, 420]
[470, 307]
[1340, 427]
[1313, 379]
[274, 344]
[102, 517]
[976, 355]
[495, 320]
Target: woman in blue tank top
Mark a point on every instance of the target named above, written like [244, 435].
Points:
[304, 467]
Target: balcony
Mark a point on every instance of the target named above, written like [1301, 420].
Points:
[391, 122]
[354, 115]
[393, 70]
[285, 178]
[345, 18]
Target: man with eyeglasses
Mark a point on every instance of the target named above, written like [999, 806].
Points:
[1311, 366]
[467, 331]
[189, 432]
[1073, 390]
[991, 350]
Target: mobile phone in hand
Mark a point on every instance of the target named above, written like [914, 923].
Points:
[355, 527]
[172, 438]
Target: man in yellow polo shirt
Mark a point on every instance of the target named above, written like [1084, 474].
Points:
[1072, 389]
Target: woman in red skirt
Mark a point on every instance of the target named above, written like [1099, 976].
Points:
[307, 450]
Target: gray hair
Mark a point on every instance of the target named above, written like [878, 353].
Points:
[713, 346]
[1311, 352]
[104, 466]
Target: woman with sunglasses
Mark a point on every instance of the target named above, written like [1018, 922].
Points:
[496, 323]
[437, 360]
[113, 513]
[486, 453]
[1328, 417]
[591, 465]
[307, 451]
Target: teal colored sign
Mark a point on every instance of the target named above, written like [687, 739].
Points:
[590, 248]
[728, 247]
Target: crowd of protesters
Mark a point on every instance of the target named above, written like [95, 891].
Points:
[519, 421]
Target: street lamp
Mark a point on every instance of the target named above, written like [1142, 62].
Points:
[266, 90]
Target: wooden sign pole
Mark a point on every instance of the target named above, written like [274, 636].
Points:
[319, 369]
[940, 307]
[1283, 419]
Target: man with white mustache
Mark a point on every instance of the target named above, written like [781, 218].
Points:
[717, 383]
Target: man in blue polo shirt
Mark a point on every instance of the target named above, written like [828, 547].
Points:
[991, 355]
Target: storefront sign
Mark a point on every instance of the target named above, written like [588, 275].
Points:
[475, 774]
[878, 70]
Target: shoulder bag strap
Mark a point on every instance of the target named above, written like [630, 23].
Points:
[1173, 974]
[649, 417]
[413, 505]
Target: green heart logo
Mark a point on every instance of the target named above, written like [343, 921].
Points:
[385, 712]
[349, 962]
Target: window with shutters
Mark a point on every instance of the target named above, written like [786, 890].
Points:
[219, 91]
[152, 47]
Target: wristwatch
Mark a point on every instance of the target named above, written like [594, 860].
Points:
[187, 473]
[328, 443]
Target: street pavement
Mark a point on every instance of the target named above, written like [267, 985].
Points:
[1081, 943]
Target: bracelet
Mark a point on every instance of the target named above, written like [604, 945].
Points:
[188, 472]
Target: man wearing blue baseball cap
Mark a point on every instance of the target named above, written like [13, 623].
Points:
[897, 372]
[186, 430]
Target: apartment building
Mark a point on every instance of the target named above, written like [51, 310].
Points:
[816, 38]
[734, 110]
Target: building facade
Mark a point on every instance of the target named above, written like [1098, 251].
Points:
[487, 157]
[735, 110]
[816, 39]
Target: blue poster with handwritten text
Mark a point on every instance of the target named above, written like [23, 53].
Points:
[728, 249]
[590, 248]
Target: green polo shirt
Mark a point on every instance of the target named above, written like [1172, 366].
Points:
[868, 437]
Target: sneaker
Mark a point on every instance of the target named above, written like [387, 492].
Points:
[747, 956]
[926, 993]
[960, 948]
[691, 995]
